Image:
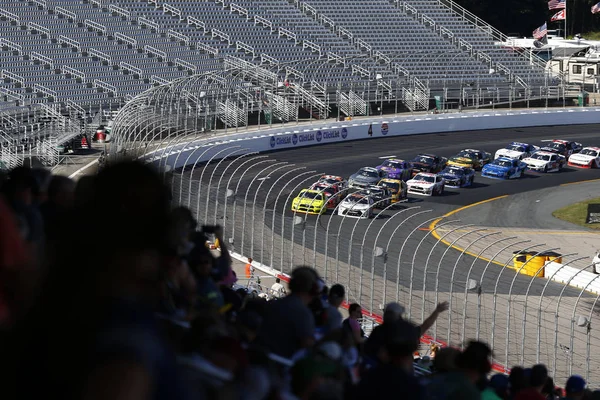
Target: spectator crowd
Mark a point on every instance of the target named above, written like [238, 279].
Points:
[108, 291]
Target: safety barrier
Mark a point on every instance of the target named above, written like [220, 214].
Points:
[286, 136]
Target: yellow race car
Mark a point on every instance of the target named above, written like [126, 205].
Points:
[397, 188]
[470, 158]
[310, 202]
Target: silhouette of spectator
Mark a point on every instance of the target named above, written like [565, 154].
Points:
[59, 201]
[393, 376]
[288, 325]
[472, 366]
[337, 293]
[394, 312]
[537, 381]
[352, 325]
[575, 387]
[92, 331]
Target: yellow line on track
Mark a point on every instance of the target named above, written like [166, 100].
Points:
[526, 232]
[438, 237]
[577, 183]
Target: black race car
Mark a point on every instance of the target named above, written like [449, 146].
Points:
[428, 163]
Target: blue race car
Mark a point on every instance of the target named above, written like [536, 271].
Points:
[457, 177]
[504, 168]
[396, 169]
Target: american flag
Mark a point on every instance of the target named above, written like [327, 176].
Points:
[559, 16]
[557, 4]
[541, 31]
[596, 8]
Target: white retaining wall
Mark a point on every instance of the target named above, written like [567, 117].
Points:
[176, 155]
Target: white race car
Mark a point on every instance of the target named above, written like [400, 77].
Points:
[516, 150]
[356, 206]
[589, 157]
[544, 161]
[426, 184]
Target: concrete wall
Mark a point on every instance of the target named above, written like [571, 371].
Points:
[281, 137]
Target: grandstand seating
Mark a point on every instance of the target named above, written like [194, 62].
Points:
[91, 54]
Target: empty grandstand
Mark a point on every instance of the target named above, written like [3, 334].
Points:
[63, 61]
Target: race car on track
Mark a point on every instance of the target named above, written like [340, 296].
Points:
[338, 181]
[309, 202]
[504, 168]
[589, 157]
[475, 159]
[381, 195]
[457, 177]
[426, 184]
[397, 188]
[544, 161]
[396, 169]
[516, 150]
[366, 176]
[332, 193]
[356, 206]
[563, 147]
[428, 163]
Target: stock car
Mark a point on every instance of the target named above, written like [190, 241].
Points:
[356, 206]
[332, 193]
[516, 150]
[563, 147]
[427, 163]
[338, 181]
[366, 176]
[426, 184]
[504, 168]
[396, 169]
[457, 177]
[381, 195]
[397, 188]
[545, 161]
[310, 202]
[589, 157]
[470, 158]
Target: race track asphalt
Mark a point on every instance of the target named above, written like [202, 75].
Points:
[346, 158]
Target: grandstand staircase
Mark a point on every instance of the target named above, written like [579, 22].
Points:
[352, 104]
[231, 114]
[282, 108]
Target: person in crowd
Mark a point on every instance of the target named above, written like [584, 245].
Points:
[21, 191]
[15, 275]
[288, 325]
[473, 365]
[92, 332]
[393, 376]
[249, 269]
[537, 381]
[59, 201]
[518, 380]
[337, 293]
[575, 388]
[550, 391]
[394, 312]
[352, 325]
[201, 262]
[497, 388]
[43, 178]
[278, 290]
[319, 306]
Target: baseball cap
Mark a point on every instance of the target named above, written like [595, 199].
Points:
[575, 384]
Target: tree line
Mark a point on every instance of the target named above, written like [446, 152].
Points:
[521, 17]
